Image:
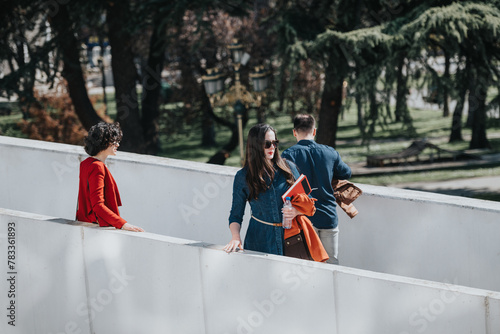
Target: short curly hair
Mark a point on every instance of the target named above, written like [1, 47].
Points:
[101, 136]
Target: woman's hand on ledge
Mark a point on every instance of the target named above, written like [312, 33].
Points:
[235, 242]
[130, 227]
[233, 245]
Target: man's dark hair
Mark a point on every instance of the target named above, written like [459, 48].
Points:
[101, 136]
[304, 123]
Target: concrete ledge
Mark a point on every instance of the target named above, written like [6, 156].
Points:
[431, 198]
[36, 145]
[408, 233]
[79, 278]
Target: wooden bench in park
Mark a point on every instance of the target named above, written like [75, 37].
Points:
[414, 150]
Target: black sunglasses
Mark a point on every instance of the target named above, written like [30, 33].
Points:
[269, 143]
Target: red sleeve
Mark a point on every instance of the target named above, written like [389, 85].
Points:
[96, 189]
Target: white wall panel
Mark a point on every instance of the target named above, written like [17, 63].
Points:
[78, 278]
[410, 233]
[49, 276]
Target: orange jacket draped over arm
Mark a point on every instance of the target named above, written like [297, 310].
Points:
[305, 205]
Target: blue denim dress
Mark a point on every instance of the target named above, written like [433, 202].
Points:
[267, 207]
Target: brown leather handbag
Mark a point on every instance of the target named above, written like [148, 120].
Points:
[345, 193]
[295, 246]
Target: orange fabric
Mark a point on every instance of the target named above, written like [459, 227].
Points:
[98, 196]
[305, 205]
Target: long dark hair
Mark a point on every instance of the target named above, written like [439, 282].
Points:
[259, 168]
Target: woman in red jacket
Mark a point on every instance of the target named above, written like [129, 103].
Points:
[98, 196]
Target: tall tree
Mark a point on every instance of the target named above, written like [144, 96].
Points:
[202, 38]
[125, 74]
[24, 49]
[462, 85]
[151, 87]
[446, 83]
[472, 29]
[62, 24]
[337, 68]
[337, 35]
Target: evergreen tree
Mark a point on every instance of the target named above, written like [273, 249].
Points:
[471, 29]
[467, 28]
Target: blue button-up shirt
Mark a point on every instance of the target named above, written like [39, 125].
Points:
[321, 164]
[267, 207]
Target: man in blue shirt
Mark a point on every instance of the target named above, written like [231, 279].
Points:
[321, 164]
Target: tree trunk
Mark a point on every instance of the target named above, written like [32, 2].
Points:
[402, 113]
[124, 77]
[401, 90]
[472, 76]
[208, 131]
[151, 87]
[462, 78]
[456, 123]
[477, 100]
[359, 105]
[190, 68]
[208, 126]
[103, 71]
[387, 102]
[446, 84]
[208, 122]
[72, 70]
[261, 114]
[26, 91]
[373, 114]
[331, 104]
[283, 83]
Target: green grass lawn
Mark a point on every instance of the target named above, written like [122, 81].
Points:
[8, 123]
[391, 138]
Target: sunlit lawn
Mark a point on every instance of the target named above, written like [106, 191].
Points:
[8, 123]
[391, 138]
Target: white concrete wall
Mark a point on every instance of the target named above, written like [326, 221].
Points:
[78, 278]
[409, 233]
[42, 177]
[424, 235]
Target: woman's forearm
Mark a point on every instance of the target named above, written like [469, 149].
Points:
[235, 229]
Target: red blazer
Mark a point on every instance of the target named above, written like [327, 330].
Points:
[98, 196]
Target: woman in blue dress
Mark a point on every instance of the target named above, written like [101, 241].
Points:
[262, 181]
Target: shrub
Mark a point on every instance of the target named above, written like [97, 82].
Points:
[52, 118]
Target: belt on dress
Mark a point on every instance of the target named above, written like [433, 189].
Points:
[263, 222]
